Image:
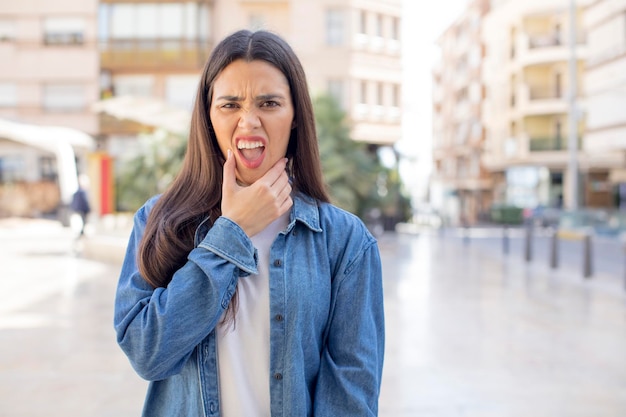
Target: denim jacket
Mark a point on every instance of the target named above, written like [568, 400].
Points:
[326, 316]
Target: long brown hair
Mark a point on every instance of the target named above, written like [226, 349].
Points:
[196, 192]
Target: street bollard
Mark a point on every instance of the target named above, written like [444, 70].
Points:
[528, 250]
[587, 265]
[505, 239]
[554, 249]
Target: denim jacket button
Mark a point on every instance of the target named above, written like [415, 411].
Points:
[278, 376]
[277, 262]
[279, 317]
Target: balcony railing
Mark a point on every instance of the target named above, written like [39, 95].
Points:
[544, 41]
[551, 40]
[543, 144]
[154, 53]
[546, 92]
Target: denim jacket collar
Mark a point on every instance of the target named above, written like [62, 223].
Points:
[304, 210]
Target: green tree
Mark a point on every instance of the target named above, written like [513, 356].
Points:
[149, 169]
[357, 181]
[350, 171]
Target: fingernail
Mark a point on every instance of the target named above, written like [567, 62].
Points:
[229, 154]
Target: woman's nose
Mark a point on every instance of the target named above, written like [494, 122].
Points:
[249, 119]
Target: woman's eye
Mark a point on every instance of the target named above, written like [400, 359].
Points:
[270, 103]
[229, 105]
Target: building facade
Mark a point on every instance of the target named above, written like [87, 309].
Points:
[461, 186]
[69, 56]
[53, 74]
[349, 48]
[49, 76]
[526, 110]
[605, 91]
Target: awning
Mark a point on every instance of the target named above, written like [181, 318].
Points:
[147, 111]
[62, 141]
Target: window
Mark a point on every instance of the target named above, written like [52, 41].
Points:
[204, 16]
[395, 98]
[379, 25]
[180, 90]
[363, 22]
[12, 168]
[48, 168]
[380, 94]
[7, 30]
[63, 31]
[395, 28]
[335, 90]
[152, 21]
[134, 85]
[334, 27]
[8, 95]
[363, 92]
[257, 21]
[64, 97]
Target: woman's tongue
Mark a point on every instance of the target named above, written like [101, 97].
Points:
[253, 154]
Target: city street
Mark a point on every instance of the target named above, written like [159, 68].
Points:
[471, 332]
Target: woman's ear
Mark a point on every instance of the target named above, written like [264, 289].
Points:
[293, 124]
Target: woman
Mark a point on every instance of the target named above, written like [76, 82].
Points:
[244, 292]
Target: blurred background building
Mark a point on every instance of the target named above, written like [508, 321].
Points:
[605, 91]
[117, 69]
[110, 71]
[520, 68]
[49, 76]
[461, 185]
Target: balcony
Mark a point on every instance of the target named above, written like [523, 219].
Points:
[550, 144]
[152, 54]
[536, 100]
[544, 40]
[545, 49]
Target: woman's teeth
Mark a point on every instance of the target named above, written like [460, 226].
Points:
[249, 145]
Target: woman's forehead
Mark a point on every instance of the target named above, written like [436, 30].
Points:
[242, 79]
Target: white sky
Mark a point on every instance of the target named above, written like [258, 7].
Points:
[423, 21]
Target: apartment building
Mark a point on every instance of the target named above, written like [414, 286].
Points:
[461, 186]
[151, 52]
[605, 91]
[526, 110]
[48, 77]
[349, 48]
[68, 55]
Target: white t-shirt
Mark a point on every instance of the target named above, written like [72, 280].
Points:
[244, 351]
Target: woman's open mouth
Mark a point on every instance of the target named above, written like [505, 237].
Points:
[251, 151]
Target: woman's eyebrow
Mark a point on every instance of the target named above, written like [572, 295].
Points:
[270, 96]
[229, 98]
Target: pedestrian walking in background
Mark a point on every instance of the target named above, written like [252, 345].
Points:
[244, 292]
[80, 202]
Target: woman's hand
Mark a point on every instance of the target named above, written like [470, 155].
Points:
[254, 207]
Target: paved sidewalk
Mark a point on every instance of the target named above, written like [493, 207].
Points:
[470, 333]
